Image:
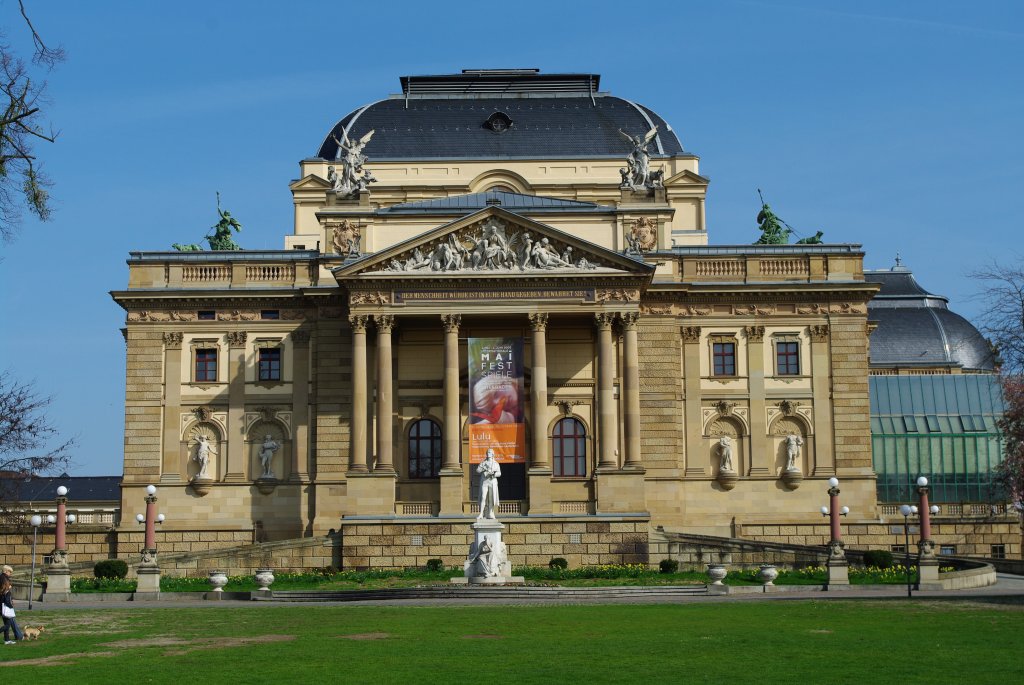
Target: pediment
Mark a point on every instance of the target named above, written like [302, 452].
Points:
[310, 182]
[494, 242]
[687, 177]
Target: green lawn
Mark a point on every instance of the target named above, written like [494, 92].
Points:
[805, 641]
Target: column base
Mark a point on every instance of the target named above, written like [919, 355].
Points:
[451, 492]
[539, 492]
[620, 492]
[58, 583]
[370, 494]
[838, 572]
[149, 582]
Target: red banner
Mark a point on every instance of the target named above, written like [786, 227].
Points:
[496, 400]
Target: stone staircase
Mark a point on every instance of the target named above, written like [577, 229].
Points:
[504, 593]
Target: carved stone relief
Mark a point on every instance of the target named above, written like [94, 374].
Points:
[172, 340]
[754, 333]
[754, 309]
[345, 237]
[161, 316]
[377, 297]
[819, 333]
[238, 315]
[490, 245]
[642, 236]
[616, 295]
[237, 338]
[691, 334]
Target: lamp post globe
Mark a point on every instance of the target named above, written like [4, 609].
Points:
[72, 518]
[62, 491]
[150, 489]
[922, 482]
[160, 518]
[824, 511]
[905, 509]
[934, 509]
[36, 520]
[833, 482]
[140, 518]
[844, 511]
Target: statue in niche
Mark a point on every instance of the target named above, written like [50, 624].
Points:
[204, 450]
[725, 453]
[793, 444]
[266, 454]
[490, 472]
[638, 175]
[353, 177]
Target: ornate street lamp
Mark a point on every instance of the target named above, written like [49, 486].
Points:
[36, 521]
[58, 575]
[927, 563]
[907, 510]
[838, 567]
[149, 568]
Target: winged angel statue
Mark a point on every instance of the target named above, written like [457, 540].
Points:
[353, 177]
[638, 176]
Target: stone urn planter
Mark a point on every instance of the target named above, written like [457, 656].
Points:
[768, 574]
[265, 578]
[716, 572]
[218, 579]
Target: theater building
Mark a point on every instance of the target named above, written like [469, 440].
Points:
[656, 380]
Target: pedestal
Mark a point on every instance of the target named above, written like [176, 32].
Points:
[928, 566]
[58, 583]
[838, 567]
[487, 563]
[792, 478]
[201, 486]
[148, 572]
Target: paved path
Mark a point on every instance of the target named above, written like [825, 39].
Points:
[1010, 589]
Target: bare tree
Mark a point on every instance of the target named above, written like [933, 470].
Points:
[26, 439]
[1010, 472]
[1002, 316]
[22, 181]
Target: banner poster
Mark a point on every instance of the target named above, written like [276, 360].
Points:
[496, 419]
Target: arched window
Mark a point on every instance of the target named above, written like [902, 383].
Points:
[424, 449]
[569, 439]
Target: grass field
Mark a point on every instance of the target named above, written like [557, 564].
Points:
[805, 641]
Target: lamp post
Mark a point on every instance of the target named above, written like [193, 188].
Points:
[927, 563]
[907, 510]
[36, 521]
[837, 565]
[58, 575]
[149, 568]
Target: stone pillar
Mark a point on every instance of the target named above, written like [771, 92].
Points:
[607, 422]
[235, 468]
[451, 467]
[539, 393]
[358, 457]
[694, 453]
[540, 465]
[148, 569]
[58, 575]
[299, 471]
[631, 389]
[761, 457]
[385, 324]
[823, 460]
[838, 567]
[170, 464]
[927, 562]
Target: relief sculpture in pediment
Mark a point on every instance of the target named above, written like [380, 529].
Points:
[491, 245]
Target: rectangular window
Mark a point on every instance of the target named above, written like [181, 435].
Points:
[787, 358]
[724, 358]
[998, 552]
[910, 423]
[270, 364]
[271, 314]
[947, 550]
[206, 315]
[933, 423]
[206, 365]
[897, 549]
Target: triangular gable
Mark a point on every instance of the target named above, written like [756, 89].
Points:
[494, 241]
[688, 177]
[310, 182]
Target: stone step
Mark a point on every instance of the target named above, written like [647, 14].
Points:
[486, 592]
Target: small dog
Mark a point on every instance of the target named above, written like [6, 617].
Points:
[33, 633]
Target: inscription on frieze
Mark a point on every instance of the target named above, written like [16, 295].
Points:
[409, 296]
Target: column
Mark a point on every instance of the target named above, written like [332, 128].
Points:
[631, 389]
[823, 459]
[358, 458]
[607, 423]
[695, 455]
[299, 470]
[539, 394]
[385, 324]
[762, 458]
[235, 471]
[450, 412]
[170, 465]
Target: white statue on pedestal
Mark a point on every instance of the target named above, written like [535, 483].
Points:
[725, 453]
[793, 444]
[203, 451]
[488, 558]
[490, 472]
[267, 450]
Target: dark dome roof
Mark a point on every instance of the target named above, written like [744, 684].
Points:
[916, 327]
[552, 115]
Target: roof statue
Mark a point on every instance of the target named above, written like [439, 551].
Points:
[638, 176]
[221, 238]
[775, 231]
[353, 178]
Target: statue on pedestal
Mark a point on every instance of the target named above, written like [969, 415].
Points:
[267, 450]
[725, 453]
[202, 456]
[793, 444]
[490, 472]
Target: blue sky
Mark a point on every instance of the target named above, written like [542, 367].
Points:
[893, 125]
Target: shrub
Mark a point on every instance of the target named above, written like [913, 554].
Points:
[435, 565]
[878, 558]
[558, 563]
[668, 566]
[110, 568]
[328, 571]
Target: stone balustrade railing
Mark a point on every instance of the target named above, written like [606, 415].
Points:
[279, 268]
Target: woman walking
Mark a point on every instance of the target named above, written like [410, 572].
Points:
[7, 601]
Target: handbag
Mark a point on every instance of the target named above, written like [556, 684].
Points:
[8, 611]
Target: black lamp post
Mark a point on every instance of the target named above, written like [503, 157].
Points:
[907, 510]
